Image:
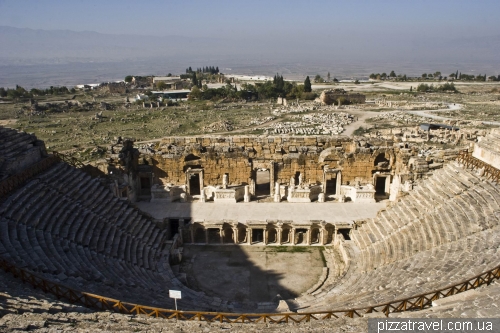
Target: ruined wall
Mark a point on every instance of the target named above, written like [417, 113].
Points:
[241, 156]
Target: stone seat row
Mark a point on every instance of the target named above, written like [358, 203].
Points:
[459, 215]
[58, 231]
[12, 144]
[477, 303]
[20, 298]
[75, 265]
[451, 222]
[47, 211]
[425, 271]
[38, 202]
[406, 248]
[80, 187]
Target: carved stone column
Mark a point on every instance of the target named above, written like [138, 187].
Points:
[321, 240]
[221, 235]
[249, 236]
[247, 196]
[265, 236]
[279, 234]
[338, 184]
[277, 197]
[292, 236]
[235, 235]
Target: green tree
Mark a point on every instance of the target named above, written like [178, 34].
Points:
[424, 76]
[383, 76]
[128, 78]
[392, 74]
[161, 85]
[194, 80]
[318, 79]
[307, 85]
[328, 76]
[195, 93]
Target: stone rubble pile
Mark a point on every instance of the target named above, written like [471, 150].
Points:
[312, 124]
[219, 126]
[400, 116]
[260, 121]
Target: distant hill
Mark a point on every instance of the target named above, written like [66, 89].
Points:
[28, 46]
[25, 46]
[40, 58]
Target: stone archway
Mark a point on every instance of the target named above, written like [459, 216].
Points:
[272, 236]
[315, 236]
[228, 237]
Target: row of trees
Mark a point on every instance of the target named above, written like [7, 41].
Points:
[436, 75]
[467, 77]
[206, 69]
[384, 76]
[447, 87]
[20, 92]
[260, 90]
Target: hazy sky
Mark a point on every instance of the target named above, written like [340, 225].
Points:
[269, 18]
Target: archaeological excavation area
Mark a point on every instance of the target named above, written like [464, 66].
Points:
[254, 225]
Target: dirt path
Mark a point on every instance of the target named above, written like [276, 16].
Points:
[360, 120]
[8, 122]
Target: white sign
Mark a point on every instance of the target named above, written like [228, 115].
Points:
[174, 294]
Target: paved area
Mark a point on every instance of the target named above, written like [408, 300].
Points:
[252, 273]
[241, 212]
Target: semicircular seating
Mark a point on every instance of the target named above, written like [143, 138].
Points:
[443, 232]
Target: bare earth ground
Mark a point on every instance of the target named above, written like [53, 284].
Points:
[75, 130]
[251, 273]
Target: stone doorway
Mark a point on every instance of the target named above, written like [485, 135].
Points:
[345, 232]
[199, 236]
[145, 185]
[382, 183]
[263, 183]
[380, 186]
[315, 235]
[194, 184]
[300, 236]
[174, 227]
[213, 236]
[257, 235]
[228, 236]
[331, 186]
[332, 180]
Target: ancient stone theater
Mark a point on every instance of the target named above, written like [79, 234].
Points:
[274, 229]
